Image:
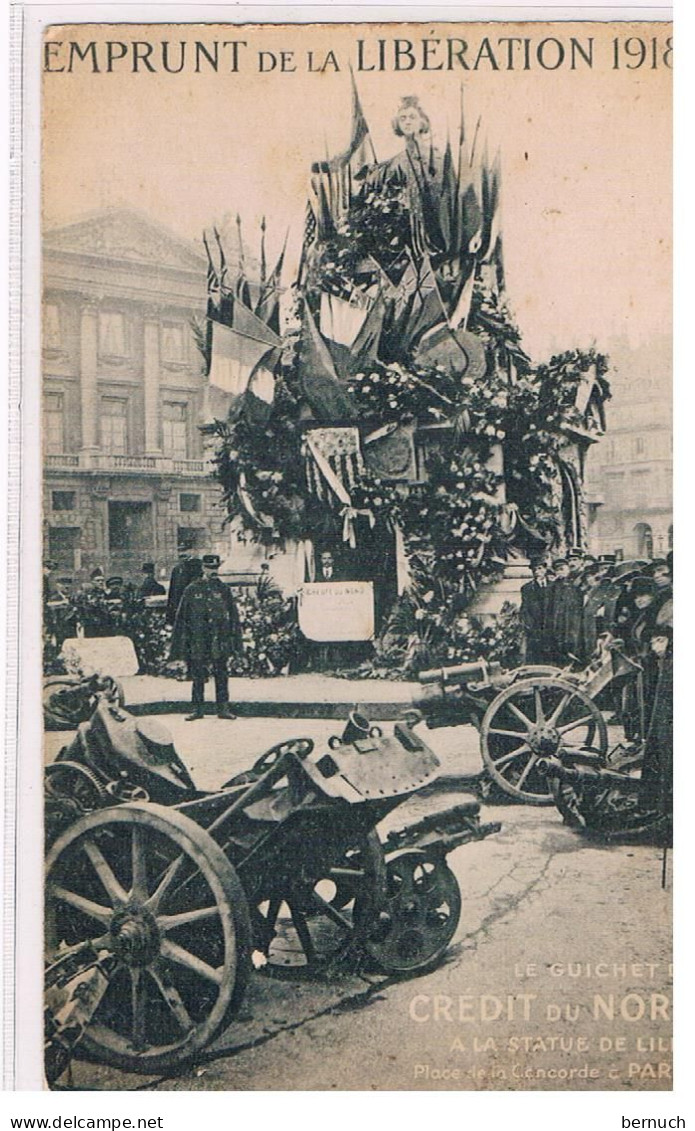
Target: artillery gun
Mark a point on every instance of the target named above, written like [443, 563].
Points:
[522, 716]
[160, 898]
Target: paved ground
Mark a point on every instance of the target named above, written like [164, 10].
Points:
[307, 695]
[214, 749]
[557, 977]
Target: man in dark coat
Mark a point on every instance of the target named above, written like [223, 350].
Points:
[657, 769]
[206, 633]
[534, 601]
[593, 598]
[564, 616]
[187, 569]
[150, 587]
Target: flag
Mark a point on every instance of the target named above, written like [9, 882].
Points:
[260, 391]
[268, 308]
[263, 263]
[223, 261]
[310, 232]
[462, 308]
[318, 376]
[449, 204]
[242, 290]
[491, 185]
[427, 309]
[333, 179]
[342, 319]
[238, 349]
[325, 220]
[213, 283]
[365, 348]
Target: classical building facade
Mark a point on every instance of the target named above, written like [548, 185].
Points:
[630, 474]
[124, 394]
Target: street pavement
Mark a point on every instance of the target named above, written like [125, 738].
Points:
[307, 695]
[558, 975]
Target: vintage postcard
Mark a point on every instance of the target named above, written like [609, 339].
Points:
[357, 555]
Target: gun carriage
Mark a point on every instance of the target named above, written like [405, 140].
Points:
[531, 713]
[160, 898]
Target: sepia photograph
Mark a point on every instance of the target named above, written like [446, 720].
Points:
[357, 553]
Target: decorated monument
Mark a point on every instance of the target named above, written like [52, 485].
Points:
[388, 416]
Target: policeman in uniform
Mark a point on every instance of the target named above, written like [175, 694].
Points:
[206, 633]
[187, 569]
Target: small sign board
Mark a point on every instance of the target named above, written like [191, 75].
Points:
[105, 655]
[336, 610]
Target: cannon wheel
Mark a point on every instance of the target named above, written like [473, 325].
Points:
[315, 924]
[419, 916]
[149, 886]
[532, 719]
[70, 791]
[75, 781]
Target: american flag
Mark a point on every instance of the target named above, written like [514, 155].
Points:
[309, 226]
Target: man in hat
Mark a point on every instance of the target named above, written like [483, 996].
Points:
[575, 562]
[593, 598]
[534, 600]
[564, 616]
[206, 633]
[114, 588]
[150, 587]
[97, 582]
[187, 569]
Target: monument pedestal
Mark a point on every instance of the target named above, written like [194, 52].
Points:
[489, 599]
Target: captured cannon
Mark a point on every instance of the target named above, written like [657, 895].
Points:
[523, 715]
[612, 804]
[627, 795]
[160, 898]
[71, 699]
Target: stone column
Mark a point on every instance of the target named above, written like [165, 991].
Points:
[151, 373]
[89, 330]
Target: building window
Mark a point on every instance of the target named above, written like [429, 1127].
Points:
[189, 502]
[53, 423]
[173, 342]
[130, 527]
[64, 546]
[113, 425]
[640, 488]
[194, 536]
[52, 338]
[175, 429]
[112, 336]
[63, 500]
[639, 445]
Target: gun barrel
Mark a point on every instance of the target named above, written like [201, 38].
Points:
[474, 672]
[553, 767]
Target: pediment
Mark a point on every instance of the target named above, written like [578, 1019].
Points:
[126, 236]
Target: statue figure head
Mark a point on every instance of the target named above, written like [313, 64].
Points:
[410, 120]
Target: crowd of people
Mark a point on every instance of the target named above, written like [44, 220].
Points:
[579, 610]
[573, 602]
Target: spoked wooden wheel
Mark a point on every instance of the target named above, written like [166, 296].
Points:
[148, 886]
[532, 719]
[313, 924]
[418, 917]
